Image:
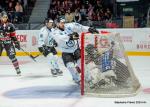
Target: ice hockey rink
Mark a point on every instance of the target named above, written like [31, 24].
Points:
[38, 88]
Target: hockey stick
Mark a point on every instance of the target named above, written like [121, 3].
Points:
[78, 44]
[32, 57]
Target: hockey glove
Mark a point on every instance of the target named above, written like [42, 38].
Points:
[93, 30]
[55, 43]
[74, 36]
[44, 50]
[17, 45]
[16, 42]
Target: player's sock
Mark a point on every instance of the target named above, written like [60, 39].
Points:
[52, 59]
[16, 66]
[73, 71]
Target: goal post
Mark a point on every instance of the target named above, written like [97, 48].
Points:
[105, 68]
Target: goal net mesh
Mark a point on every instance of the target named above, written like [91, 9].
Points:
[105, 68]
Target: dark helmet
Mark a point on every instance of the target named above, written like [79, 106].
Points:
[59, 19]
[3, 14]
[47, 20]
[112, 43]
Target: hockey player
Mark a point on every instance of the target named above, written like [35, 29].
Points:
[8, 40]
[47, 46]
[66, 36]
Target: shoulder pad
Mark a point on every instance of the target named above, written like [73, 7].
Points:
[11, 27]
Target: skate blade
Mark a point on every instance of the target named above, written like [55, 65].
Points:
[18, 75]
[60, 74]
[54, 75]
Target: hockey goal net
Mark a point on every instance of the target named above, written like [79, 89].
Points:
[105, 69]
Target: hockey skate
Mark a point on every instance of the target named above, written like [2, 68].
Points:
[59, 72]
[77, 81]
[18, 72]
[54, 72]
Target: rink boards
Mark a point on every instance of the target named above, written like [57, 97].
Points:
[136, 41]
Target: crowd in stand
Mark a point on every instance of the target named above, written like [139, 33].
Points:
[79, 10]
[72, 10]
[15, 9]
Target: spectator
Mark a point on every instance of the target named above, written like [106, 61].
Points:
[69, 16]
[71, 5]
[77, 16]
[99, 18]
[65, 5]
[14, 11]
[76, 4]
[13, 2]
[94, 16]
[52, 13]
[90, 11]
[25, 3]
[11, 12]
[141, 21]
[18, 12]
[98, 5]
[89, 22]
[18, 7]
[67, 8]
[1, 9]
[109, 13]
[83, 12]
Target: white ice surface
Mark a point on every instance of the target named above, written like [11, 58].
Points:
[37, 88]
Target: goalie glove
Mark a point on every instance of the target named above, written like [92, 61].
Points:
[44, 50]
[93, 30]
[74, 36]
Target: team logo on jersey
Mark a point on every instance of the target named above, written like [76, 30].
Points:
[70, 43]
[51, 42]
